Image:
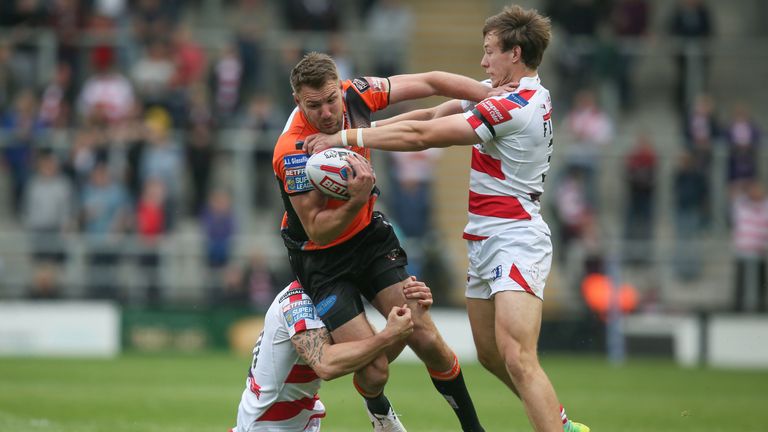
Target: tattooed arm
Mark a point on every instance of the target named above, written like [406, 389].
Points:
[331, 361]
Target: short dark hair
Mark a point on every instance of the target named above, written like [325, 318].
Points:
[526, 28]
[314, 70]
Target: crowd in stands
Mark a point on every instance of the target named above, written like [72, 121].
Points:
[119, 139]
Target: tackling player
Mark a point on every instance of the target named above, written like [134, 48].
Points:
[341, 249]
[294, 353]
[510, 251]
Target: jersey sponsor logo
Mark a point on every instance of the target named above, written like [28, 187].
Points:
[296, 179]
[297, 313]
[295, 304]
[496, 273]
[333, 186]
[326, 304]
[291, 292]
[493, 111]
[361, 84]
[516, 98]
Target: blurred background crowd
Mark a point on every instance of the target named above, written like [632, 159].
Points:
[136, 141]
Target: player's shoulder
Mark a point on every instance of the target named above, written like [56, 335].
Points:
[291, 293]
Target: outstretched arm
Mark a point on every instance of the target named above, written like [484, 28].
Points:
[331, 361]
[402, 136]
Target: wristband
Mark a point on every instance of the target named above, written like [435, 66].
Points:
[373, 124]
[343, 133]
[360, 137]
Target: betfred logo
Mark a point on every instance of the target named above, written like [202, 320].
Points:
[333, 186]
[493, 111]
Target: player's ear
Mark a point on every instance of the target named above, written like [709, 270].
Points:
[517, 53]
[296, 98]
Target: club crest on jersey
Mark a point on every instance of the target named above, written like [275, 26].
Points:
[361, 85]
[496, 273]
[326, 304]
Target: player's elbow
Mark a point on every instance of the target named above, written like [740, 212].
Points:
[327, 372]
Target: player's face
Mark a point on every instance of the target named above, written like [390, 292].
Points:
[498, 64]
[322, 107]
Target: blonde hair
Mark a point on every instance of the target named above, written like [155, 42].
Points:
[314, 70]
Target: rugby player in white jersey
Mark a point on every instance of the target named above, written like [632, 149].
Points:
[509, 245]
[294, 353]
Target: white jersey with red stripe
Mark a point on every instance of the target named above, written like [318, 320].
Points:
[510, 163]
[281, 390]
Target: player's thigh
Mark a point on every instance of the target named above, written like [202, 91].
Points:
[518, 320]
[482, 320]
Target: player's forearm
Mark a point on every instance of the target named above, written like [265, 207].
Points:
[415, 115]
[457, 86]
[328, 224]
[402, 136]
[344, 358]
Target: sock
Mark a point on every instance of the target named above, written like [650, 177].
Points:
[563, 416]
[378, 404]
[451, 385]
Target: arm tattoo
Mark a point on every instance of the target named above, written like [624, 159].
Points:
[309, 344]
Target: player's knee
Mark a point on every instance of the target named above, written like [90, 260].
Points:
[520, 363]
[424, 339]
[374, 376]
[491, 361]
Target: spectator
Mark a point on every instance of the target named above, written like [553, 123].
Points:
[389, 25]
[312, 15]
[629, 21]
[200, 147]
[153, 74]
[107, 90]
[702, 129]
[226, 81]
[150, 226]
[45, 283]
[691, 22]
[572, 209]
[48, 210]
[579, 20]
[691, 189]
[266, 121]
[591, 130]
[640, 172]
[743, 139]
[411, 201]
[750, 243]
[58, 98]
[219, 227]
[9, 82]
[251, 19]
[161, 161]
[24, 131]
[105, 212]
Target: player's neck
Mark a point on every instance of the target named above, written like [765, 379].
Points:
[519, 73]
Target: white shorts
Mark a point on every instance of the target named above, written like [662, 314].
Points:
[517, 259]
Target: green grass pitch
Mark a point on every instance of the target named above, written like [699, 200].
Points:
[199, 393]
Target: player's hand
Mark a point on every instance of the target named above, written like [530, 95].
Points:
[418, 290]
[400, 322]
[361, 182]
[503, 89]
[319, 142]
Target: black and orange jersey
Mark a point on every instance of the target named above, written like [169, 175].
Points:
[361, 97]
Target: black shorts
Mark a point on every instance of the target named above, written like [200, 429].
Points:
[335, 277]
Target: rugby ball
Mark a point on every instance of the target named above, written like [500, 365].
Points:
[329, 171]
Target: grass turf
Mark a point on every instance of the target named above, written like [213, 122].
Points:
[199, 393]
